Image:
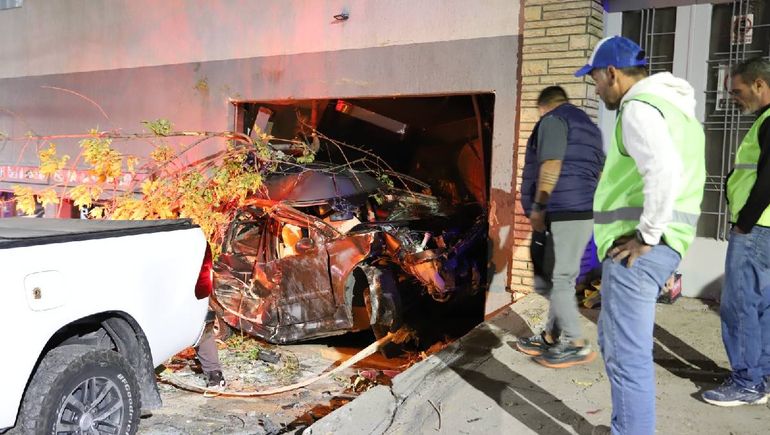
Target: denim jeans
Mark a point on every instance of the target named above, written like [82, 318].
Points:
[745, 306]
[625, 336]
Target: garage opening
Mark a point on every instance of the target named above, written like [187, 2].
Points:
[439, 145]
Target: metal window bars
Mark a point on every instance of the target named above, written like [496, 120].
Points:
[732, 41]
[653, 29]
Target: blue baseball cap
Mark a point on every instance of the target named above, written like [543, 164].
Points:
[617, 51]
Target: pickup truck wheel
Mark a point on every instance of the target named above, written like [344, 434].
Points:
[81, 390]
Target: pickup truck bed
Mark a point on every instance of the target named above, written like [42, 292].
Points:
[95, 304]
[19, 232]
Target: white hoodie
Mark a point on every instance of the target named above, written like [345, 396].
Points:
[647, 141]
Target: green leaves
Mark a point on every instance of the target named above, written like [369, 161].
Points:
[161, 127]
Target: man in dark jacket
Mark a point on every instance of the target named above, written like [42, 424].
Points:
[562, 166]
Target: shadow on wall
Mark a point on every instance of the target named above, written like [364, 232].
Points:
[713, 290]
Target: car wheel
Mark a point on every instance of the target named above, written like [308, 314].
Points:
[378, 330]
[80, 389]
[388, 315]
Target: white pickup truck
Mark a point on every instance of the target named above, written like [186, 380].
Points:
[89, 309]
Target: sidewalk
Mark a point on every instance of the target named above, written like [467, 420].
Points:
[481, 385]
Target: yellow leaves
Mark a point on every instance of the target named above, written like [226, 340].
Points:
[106, 162]
[49, 164]
[206, 192]
[25, 199]
[129, 208]
[96, 213]
[148, 186]
[162, 154]
[48, 196]
[131, 162]
[85, 195]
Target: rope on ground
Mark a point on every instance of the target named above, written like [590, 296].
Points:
[176, 381]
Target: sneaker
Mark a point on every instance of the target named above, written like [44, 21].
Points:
[215, 379]
[535, 345]
[566, 355]
[731, 394]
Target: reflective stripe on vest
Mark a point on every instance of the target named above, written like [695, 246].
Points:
[619, 199]
[744, 175]
[634, 213]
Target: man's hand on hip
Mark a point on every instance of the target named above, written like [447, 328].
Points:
[628, 248]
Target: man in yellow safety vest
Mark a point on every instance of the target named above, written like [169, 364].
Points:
[745, 302]
[646, 208]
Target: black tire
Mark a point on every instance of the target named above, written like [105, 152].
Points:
[378, 330]
[389, 315]
[102, 380]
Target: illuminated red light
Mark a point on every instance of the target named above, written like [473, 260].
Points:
[342, 106]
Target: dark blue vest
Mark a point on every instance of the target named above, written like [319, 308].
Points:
[581, 166]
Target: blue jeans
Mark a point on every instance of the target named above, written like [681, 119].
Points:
[745, 306]
[626, 322]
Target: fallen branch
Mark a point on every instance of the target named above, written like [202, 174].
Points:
[174, 380]
[438, 411]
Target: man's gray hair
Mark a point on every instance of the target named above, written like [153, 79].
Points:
[752, 69]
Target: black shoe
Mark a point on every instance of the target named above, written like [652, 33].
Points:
[215, 379]
[535, 345]
[566, 355]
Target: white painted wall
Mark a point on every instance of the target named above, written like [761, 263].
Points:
[703, 268]
[64, 36]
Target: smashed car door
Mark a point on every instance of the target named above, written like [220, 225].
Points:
[306, 295]
[244, 292]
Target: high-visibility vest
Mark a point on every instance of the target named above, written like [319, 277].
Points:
[619, 198]
[745, 173]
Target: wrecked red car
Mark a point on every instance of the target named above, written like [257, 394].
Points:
[329, 250]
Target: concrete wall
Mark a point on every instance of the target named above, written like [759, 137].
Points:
[75, 65]
[703, 268]
[64, 36]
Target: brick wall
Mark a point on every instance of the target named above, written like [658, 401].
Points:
[558, 38]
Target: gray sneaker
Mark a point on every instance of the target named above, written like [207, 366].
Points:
[535, 345]
[732, 394]
[566, 355]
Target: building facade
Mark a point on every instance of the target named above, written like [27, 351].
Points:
[74, 65]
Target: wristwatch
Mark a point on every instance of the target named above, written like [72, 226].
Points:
[640, 239]
[538, 207]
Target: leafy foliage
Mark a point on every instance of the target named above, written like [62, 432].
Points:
[208, 192]
[160, 127]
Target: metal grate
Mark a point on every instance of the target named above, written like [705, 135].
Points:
[739, 32]
[653, 30]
